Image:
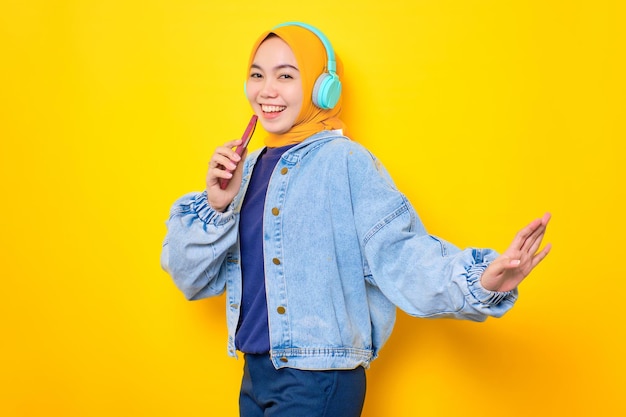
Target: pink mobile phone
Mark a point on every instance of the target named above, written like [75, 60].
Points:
[247, 135]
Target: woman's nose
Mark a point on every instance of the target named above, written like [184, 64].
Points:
[268, 89]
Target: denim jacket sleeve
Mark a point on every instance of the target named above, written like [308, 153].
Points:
[196, 244]
[423, 275]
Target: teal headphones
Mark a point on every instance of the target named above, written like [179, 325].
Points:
[327, 88]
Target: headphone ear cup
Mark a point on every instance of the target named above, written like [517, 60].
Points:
[326, 91]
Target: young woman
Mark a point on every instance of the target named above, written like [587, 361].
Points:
[315, 247]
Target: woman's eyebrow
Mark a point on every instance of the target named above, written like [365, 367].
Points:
[278, 67]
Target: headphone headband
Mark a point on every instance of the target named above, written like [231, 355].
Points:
[327, 88]
[330, 53]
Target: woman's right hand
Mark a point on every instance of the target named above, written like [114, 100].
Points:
[224, 164]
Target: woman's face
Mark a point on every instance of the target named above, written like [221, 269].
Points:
[274, 87]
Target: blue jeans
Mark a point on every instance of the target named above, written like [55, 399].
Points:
[287, 392]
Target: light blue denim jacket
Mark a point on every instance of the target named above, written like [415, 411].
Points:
[342, 247]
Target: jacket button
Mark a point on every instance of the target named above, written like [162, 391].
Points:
[275, 211]
[284, 170]
[276, 261]
[284, 359]
[281, 310]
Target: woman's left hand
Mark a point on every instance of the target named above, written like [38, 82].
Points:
[509, 269]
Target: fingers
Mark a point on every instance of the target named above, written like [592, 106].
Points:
[236, 174]
[224, 165]
[523, 251]
[541, 255]
[532, 237]
[225, 156]
[534, 241]
[223, 162]
[516, 263]
[529, 238]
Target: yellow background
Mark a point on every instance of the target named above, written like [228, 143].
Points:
[486, 112]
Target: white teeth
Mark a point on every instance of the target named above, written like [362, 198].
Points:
[272, 109]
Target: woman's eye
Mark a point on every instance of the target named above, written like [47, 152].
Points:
[285, 76]
[255, 75]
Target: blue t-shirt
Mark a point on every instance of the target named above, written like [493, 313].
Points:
[253, 331]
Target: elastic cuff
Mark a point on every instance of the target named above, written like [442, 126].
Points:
[208, 214]
[482, 294]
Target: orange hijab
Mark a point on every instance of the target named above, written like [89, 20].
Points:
[311, 57]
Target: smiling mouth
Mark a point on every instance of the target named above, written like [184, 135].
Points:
[272, 109]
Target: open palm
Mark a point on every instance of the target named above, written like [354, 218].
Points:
[508, 270]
